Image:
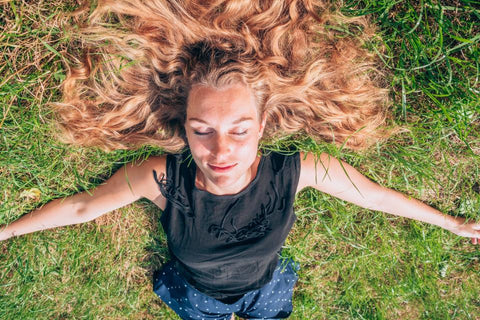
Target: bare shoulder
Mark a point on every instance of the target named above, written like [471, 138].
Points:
[312, 167]
[158, 163]
[142, 178]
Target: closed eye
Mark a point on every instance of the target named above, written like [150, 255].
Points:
[199, 133]
[204, 133]
[241, 133]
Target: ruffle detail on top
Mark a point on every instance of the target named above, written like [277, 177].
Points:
[257, 227]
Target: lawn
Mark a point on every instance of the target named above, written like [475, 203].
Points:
[356, 263]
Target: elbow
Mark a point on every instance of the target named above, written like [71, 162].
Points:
[87, 208]
[379, 199]
[81, 213]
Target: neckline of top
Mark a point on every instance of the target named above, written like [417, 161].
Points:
[229, 196]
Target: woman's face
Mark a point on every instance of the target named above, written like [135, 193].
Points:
[223, 130]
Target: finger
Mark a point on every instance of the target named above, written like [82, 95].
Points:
[474, 241]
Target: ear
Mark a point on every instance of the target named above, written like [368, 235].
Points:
[262, 124]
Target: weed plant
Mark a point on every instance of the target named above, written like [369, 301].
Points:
[356, 264]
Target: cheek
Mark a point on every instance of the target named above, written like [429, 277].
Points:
[245, 149]
[197, 146]
[249, 147]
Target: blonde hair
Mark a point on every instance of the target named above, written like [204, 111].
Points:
[142, 57]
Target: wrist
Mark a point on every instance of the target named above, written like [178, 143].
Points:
[4, 235]
[452, 223]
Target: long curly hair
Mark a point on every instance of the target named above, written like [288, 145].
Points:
[131, 86]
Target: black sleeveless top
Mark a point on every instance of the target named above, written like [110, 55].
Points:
[227, 245]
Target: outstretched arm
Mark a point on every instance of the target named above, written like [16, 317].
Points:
[341, 180]
[127, 185]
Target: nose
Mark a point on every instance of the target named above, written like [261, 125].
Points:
[222, 147]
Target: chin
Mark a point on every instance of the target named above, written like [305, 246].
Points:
[224, 180]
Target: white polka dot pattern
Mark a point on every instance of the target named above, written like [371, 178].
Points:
[272, 301]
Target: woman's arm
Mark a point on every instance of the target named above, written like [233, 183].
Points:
[341, 180]
[128, 184]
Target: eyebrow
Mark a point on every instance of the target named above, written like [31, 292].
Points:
[242, 119]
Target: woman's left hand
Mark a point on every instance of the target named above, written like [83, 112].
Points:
[471, 230]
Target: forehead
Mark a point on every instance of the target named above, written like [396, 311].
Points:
[236, 100]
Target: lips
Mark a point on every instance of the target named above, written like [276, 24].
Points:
[221, 168]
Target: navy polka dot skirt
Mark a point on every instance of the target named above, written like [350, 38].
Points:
[272, 301]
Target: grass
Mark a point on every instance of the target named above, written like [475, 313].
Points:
[356, 264]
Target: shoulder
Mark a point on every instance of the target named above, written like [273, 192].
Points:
[313, 167]
[143, 169]
[140, 174]
[281, 161]
[284, 168]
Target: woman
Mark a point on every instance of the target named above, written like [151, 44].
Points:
[227, 213]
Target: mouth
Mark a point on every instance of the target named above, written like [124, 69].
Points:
[221, 168]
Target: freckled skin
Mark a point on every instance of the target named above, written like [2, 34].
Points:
[223, 131]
